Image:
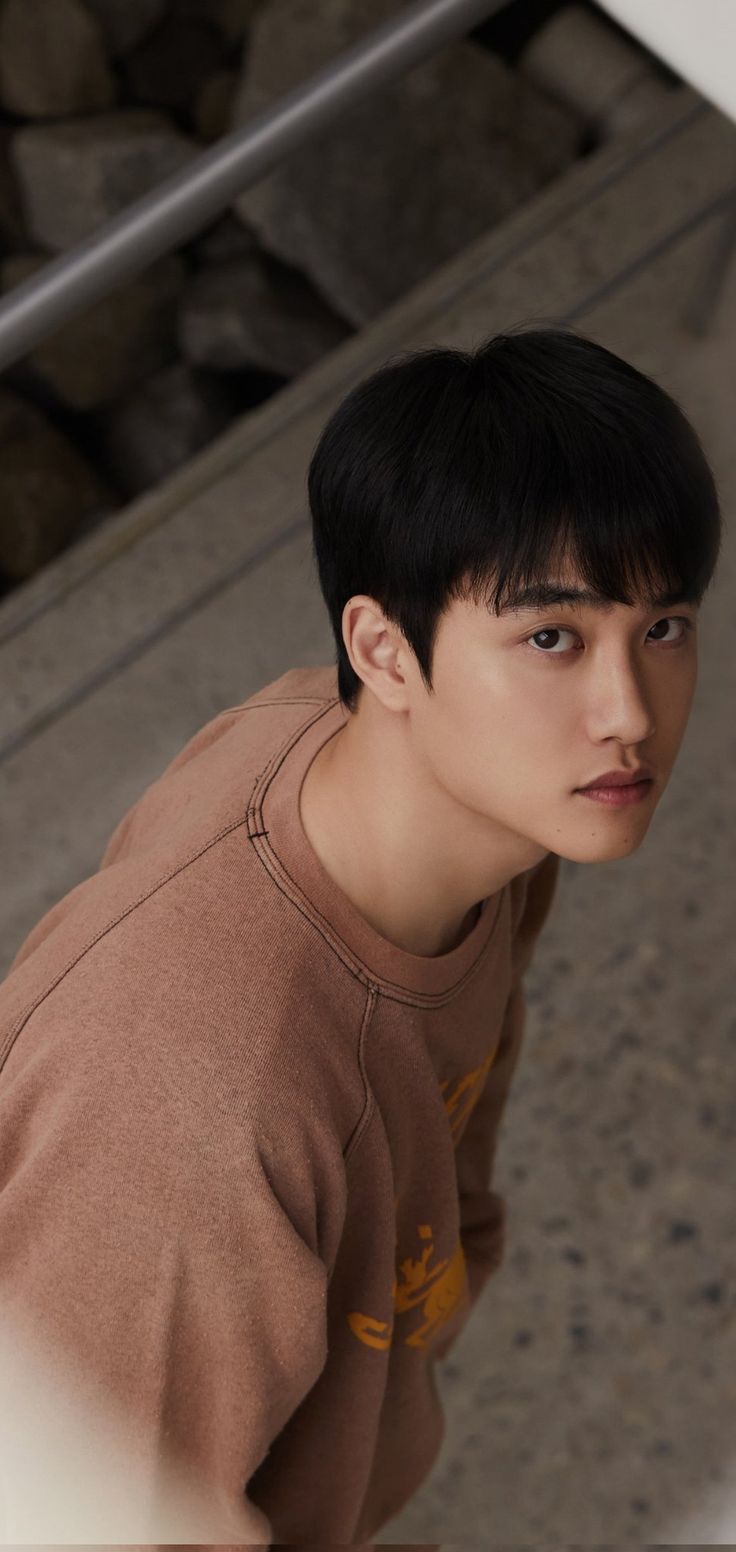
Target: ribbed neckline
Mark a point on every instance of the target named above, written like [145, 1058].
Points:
[275, 815]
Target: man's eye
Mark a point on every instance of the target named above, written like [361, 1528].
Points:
[548, 630]
[549, 648]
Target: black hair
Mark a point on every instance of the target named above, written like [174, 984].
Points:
[453, 473]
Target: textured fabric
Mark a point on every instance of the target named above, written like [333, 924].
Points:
[246, 1147]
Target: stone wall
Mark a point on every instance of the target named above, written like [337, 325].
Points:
[100, 100]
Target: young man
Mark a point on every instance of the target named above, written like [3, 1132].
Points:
[254, 1068]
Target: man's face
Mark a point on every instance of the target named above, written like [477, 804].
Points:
[535, 703]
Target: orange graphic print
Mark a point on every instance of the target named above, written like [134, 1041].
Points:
[441, 1288]
[467, 1088]
[438, 1289]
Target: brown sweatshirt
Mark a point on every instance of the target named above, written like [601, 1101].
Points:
[246, 1146]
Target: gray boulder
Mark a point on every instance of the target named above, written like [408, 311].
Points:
[168, 69]
[231, 17]
[76, 175]
[234, 17]
[405, 179]
[162, 424]
[125, 22]
[226, 237]
[252, 313]
[47, 490]
[113, 344]
[12, 234]
[52, 59]
[213, 106]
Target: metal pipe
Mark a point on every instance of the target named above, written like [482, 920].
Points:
[187, 201]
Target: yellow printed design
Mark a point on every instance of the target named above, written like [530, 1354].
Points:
[464, 1095]
[438, 1289]
[443, 1288]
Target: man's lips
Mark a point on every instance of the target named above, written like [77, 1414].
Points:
[620, 796]
[619, 778]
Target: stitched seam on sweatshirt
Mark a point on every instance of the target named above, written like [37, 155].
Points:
[26, 1013]
[22, 1018]
[390, 989]
[362, 1124]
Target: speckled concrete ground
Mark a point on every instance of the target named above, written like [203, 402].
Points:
[593, 1393]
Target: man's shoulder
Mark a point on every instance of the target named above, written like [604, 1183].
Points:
[195, 993]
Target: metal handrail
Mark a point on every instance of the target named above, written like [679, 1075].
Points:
[187, 201]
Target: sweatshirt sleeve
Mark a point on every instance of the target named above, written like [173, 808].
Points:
[482, 1209]
[161, 1314]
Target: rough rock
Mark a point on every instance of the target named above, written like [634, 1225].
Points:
[47, 490]
[78, 174]
[212, 114]
[256, 313]
[170, 66]
[12, 233]
[406, 178]
[231, 17]
[99, 354]
[52, 59]
[162, 424]
[234, 17]
[125, 22]
[225, 238]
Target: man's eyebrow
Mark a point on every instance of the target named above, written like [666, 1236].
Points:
[544, 595]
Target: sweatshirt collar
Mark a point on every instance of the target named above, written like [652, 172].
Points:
[275, 825]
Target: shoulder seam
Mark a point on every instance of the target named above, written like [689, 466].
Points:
[361, 1126]
[26, 1013]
